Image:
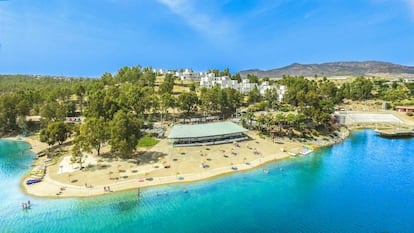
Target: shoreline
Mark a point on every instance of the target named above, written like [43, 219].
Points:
[52, 187]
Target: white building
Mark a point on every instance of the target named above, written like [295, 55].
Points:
[246, 86]
[281, 92]
[209, 81]
[190, 75]
[264, 87]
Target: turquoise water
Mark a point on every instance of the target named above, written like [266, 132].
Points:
[365, 184]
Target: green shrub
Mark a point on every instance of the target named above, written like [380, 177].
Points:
[147, 141]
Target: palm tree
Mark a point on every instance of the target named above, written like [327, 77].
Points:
[260, 122]
[250, 117]
[291, 120]
[268, 122]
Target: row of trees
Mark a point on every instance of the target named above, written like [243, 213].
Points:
[116, 107]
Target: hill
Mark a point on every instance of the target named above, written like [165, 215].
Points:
[335, 69]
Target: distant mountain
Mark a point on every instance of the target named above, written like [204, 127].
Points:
[334, 69]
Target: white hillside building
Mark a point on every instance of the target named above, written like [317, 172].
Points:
[281, 92]
[190, 75]
[264, 87]
[246, 86]
[209, 81]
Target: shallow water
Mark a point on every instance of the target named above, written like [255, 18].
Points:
[365, 184]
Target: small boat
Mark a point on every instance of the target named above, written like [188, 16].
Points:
[292, 153]
[306, 150]
[33, 181]
[36, 175]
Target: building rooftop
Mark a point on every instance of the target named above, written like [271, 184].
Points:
[205, 130]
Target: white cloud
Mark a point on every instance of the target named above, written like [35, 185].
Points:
[214, 27]
[411, 5]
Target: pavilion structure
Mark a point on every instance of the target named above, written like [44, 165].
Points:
[206, 134]
[404, 108]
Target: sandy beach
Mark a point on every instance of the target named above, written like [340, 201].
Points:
[167, 164]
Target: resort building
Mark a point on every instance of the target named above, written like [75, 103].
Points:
[244, 87]
[206, 134]
[209, 80]
[404, 108]
[408, 80]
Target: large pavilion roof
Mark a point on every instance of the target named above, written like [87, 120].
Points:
[205, 130]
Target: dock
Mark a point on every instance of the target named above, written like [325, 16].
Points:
[395, 133]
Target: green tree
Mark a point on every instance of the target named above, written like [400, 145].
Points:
[53, 111]
[253, 78]
[93, 133]
[192, 87]
[233, 101]
[148, 78]
[254, 95]
[361, 89]
[55, 132]
[103, 103]
[280, 120]
[77, 155]
[107, 79]
[236, 77]
[80, 92]
[271, 97]
[166, 101]
[125, 133]
[187, 102]
[209, 102]
[261, 122]
[8, 113]
[130, 74]
[70, 109]
[226, 72]
[247, 119]
[398, 93]
[168, 85]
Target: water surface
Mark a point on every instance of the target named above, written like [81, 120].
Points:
[365, 184]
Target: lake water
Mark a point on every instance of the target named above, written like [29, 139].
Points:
[365, 184]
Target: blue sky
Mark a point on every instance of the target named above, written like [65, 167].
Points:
[90, 37]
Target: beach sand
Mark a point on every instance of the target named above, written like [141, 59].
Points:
[167, 164]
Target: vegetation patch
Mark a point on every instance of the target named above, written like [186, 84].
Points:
[147, 141]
